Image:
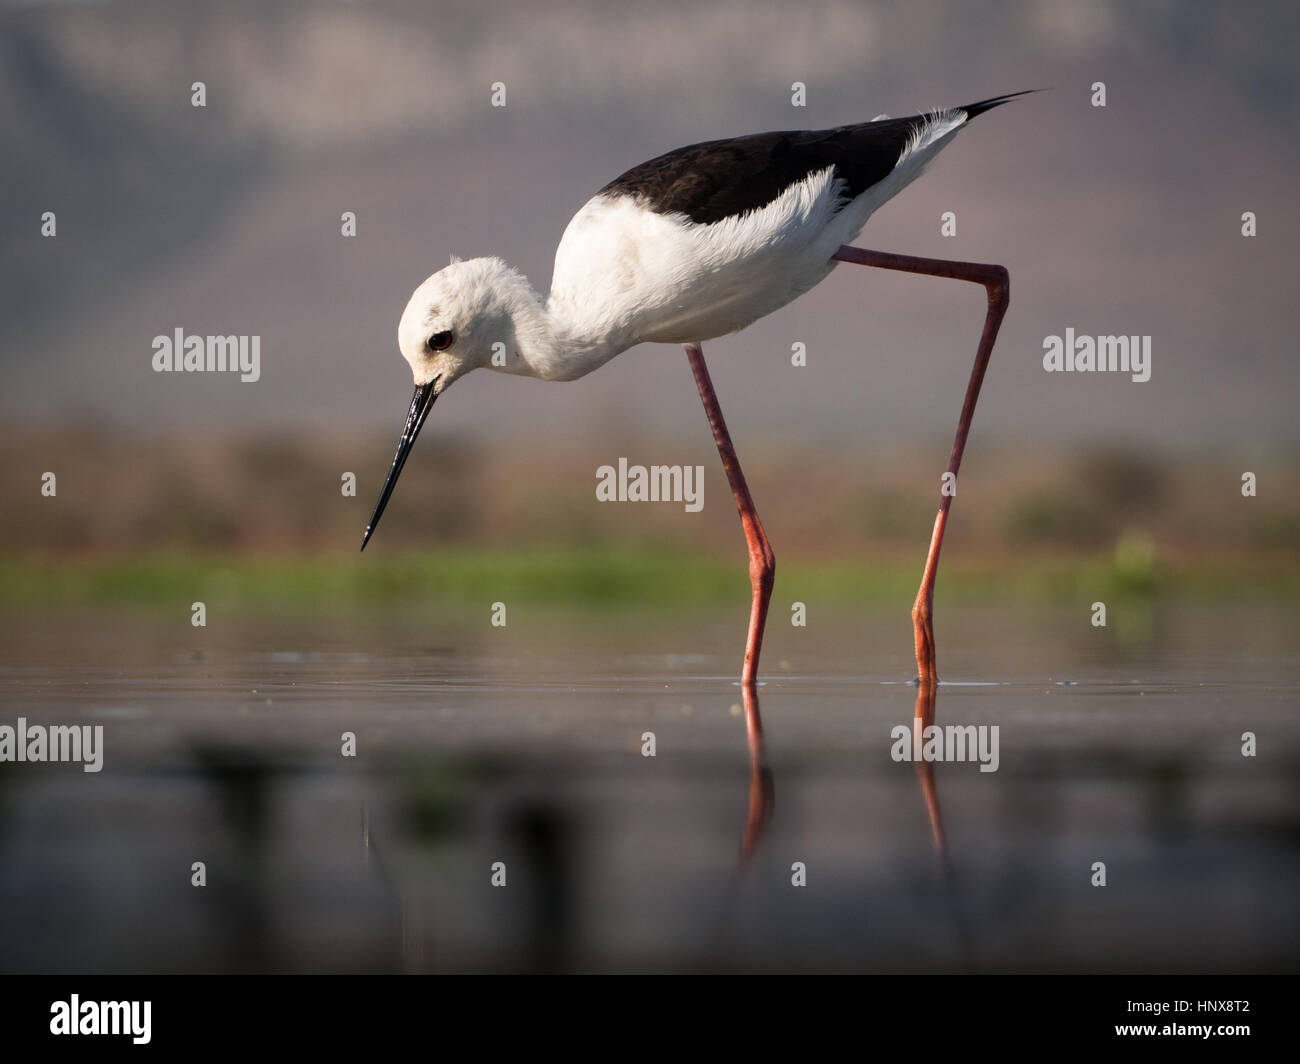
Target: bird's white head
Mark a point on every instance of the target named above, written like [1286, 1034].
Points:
[462, 316]
[473, 313]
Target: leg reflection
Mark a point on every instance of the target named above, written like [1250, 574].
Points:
[926, 698]
[762, 792]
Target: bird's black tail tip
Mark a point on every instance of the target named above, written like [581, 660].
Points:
[973, 109]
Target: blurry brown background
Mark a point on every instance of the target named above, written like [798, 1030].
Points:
[226, 220]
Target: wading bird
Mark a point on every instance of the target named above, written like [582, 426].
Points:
[685, 248]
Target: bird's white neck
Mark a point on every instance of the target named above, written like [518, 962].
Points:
[550, 340]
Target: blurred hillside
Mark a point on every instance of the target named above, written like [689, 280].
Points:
[225, 219]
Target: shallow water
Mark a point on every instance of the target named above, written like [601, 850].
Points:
[523, 745]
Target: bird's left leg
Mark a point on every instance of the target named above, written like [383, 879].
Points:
[762, 562]
[997, 283]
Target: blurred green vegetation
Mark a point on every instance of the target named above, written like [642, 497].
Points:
[594, 578]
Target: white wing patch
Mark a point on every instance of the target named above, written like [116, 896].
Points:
[935, 126]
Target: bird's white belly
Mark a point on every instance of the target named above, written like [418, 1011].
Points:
[720, 303]
[622, 270]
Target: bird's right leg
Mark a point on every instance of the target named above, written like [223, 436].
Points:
[762, 562]
[998, 285]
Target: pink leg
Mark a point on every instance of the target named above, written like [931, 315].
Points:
[762, 562]
[998, 284]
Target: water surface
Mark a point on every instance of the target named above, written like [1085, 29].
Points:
[523, 745]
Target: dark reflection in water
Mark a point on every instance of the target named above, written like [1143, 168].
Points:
[542, 833]
[241, 782]
[678, 862]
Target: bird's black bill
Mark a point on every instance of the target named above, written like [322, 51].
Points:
[420, 404]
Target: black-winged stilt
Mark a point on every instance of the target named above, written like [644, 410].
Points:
[685, 248]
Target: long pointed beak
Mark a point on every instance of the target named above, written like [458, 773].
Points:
[420, 406]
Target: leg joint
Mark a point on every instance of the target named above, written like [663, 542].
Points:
[762, 567]
[999, 286]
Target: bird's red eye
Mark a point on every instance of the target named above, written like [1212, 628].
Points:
[440, 341]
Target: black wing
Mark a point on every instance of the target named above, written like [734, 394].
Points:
[720, 178]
